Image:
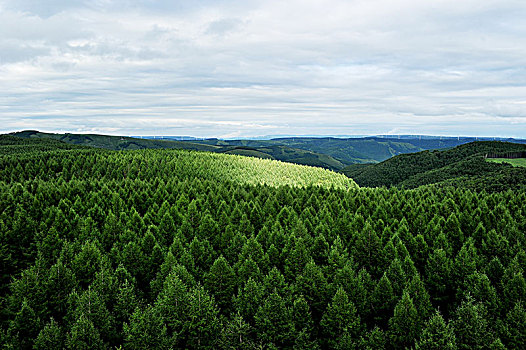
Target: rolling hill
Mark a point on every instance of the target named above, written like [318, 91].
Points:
[463, 165]
[353, 150]
[205, 165]
[265, 150]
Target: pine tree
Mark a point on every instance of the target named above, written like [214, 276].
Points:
[382, 300]
[249, 299]
[236, 334]
[146, 330]
[92, 306]
[437, 335]
[340, 318]
[437, 273]
[471, 326]
[420, 297]
[515, 337]
[86, 263]
[497, 345]
[313, 286]
[84, 336]
[221, 282]
[479, 287]
[374, 339]
[274, 322]
[302, 317]
[173, 304]
[202, 327]
[514, 290]
[50, 337]
[59, 284]
[24, 328]
[405, 325]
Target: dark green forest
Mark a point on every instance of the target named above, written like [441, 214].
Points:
[325, 152]
[464, 166]
[175, 249]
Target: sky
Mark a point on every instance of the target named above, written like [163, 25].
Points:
[230, 68]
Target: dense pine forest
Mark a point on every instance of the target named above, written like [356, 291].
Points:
[465, 166]
[175, 249]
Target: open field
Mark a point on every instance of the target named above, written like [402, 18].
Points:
[519, 162]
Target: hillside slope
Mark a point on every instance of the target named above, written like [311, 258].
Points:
[462, 166]
[353, 150]
[270, 151]
[163, 164]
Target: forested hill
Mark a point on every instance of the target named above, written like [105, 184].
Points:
[461, 166]
[355, 150]
[325, 152]
[173, 249]
[28, 162]
[265, 151]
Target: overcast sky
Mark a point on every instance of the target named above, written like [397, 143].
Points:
[229, 68]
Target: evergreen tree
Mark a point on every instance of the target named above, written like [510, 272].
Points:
[437, 335]
[514, 290]
[236, 334]
[221, 282]
[202, 327]
[249, 299]
[471, 326]
[50, 337]
[274, 322]
[24, 328]
[173, 305]
[515, 336]
[382, 300]
[340, 318]
[437, 279]
[404, 326]
[374, 339]
[84, 336]
[146, 330]
[420, 297]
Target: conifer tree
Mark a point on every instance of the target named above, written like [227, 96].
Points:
[405, 325]
[274, 322]
[340, 318]
[84, 336]
[236, 334]
[382, 300]
[221, 282]
[471, 325]
[515, 337]
[146, 330]
[50, 337]
[436, 335]
[24, 328]
[202, 326]
[437, 279]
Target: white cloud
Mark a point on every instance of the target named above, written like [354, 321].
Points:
[211, 68]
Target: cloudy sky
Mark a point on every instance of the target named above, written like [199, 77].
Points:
[230, 68]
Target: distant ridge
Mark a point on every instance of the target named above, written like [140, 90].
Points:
[463, 166]
[122, 143]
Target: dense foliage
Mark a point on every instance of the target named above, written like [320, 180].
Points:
[171, 249]
[356, 150]
[264, 149]
[463, 166]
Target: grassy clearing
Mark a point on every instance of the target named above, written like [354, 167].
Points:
[518, 162]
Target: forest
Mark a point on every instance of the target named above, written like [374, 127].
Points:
[465, 166]
[177, 249]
